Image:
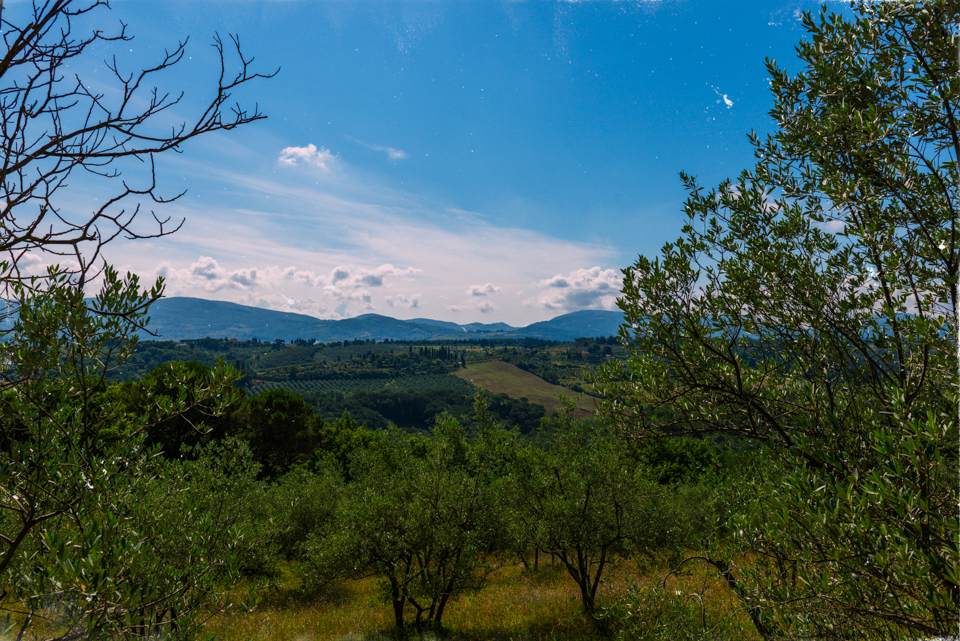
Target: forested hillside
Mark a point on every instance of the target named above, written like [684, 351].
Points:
[399, 382]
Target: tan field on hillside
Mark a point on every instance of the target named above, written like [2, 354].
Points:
[498, 377]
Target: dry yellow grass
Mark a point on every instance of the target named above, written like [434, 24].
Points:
[516, 605]
[353, 611]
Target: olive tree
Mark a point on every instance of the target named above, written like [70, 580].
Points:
[589, 503]
[71, 457]
[423, 514]
[811, 304]
[75, 541]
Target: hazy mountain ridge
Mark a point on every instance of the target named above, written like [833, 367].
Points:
[179, 318]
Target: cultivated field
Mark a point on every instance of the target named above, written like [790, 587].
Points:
[498, 377]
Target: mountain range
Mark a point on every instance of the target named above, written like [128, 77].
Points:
[182, 318]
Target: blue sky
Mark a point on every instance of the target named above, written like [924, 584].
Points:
[465, 161]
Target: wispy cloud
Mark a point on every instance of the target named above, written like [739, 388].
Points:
[310, 155]
[392, 154]
[346, 246]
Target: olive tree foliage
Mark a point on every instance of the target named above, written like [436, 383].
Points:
[75, 543]
[74, 539]
[423, 514]
[811, 304]
[588, 502]
[149, 561]
[51, 411]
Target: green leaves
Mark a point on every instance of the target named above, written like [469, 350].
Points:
[96, 532]
[811, 305]
[588, 501]
[888, 533]
[423, 514]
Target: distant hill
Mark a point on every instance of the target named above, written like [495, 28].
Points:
[488, 327]
[183, 318]
[587, 323]
[180, 318]
[469, 327]
[428, 322]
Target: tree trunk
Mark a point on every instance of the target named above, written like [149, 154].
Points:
[396, 595]
[752, 611]
[579, 571]
[587, 598]
[440, 607]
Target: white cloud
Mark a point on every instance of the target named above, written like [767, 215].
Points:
[352, 302]
[207, 275]
[581, 289]
[346, 276]
[29, 262]
[323, 243]
[556, 281]
[342, 287]
[833, 226]
[37, 263]
[310, 155]
[483, 290]
[33, 264]
[340, 273]
[485, 307]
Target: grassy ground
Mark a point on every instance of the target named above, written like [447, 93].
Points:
[504, 378]
[517, 605]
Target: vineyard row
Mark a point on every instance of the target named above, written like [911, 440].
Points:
[400, 384]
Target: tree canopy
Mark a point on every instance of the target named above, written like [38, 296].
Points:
[811, 305]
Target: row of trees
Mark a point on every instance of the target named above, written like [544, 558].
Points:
[433, 515]
[283, 428]
[150, 545]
